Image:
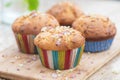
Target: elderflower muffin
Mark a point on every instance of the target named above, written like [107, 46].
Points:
[98, 30]
[27, 27]
[65, 13]
[60, 47]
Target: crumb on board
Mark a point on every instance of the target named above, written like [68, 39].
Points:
[34, 58]
[3, 56]
[28, 61]
[58, 71]
[116, 68]
[28, 68]
[43, 77]
[79, 72]
[102, 73]
[66, 78]
[71, 70]
[12, 61]
[18, 69]
[54, 75]
[17, 57]
[88, 52]
[72, 76]
[20, 65]
[91, 62]
[42, 71]
[59, 75]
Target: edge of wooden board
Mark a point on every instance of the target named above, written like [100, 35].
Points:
[19, 77]
[99, 67]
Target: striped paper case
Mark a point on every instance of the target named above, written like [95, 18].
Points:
[26, 43]
[97, 46]
[60, 59]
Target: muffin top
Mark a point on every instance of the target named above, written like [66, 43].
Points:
[59, 38]
[65, 13]
[95, 27]
[32, 23]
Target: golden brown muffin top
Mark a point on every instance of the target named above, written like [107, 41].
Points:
[59, 38]
[95, 27]
[32, 23]
[65, 13]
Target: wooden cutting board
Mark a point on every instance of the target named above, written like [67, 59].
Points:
[17, 66]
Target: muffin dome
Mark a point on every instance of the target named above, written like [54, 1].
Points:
[59, 38]
[65, 13]
[95, 27]
[32, 23]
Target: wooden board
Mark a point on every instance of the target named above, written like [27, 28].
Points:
[107, 7]
[17, 66]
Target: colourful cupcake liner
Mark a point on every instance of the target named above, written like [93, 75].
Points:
[97, 46]
[60, 59]
[26, 43]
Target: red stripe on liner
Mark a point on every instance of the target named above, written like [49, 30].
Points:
[45, 58]
[67, 59]
[26, 43]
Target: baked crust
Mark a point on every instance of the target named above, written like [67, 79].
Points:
[59, 38]
[65, 13]
[32, 23]
[95, 27]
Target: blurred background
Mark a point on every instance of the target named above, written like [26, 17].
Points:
[11, 9]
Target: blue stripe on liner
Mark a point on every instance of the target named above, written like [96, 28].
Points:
[55, 59]
[35, 48]
[97, 46]
[77, 57]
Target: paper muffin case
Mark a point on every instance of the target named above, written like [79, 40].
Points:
[97, 46]
[26, 43]
[60, 59]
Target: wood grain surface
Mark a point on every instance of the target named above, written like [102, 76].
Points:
[18, 66]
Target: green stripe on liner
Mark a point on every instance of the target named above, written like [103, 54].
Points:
[21, 47]
[35, 50]
[77, 57]
[39, 54]
[81, 52]
[61, 59]
[55, 59]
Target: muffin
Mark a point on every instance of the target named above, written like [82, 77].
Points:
[98, 30]
[65, 13]
[27, 27]
[60, 47]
